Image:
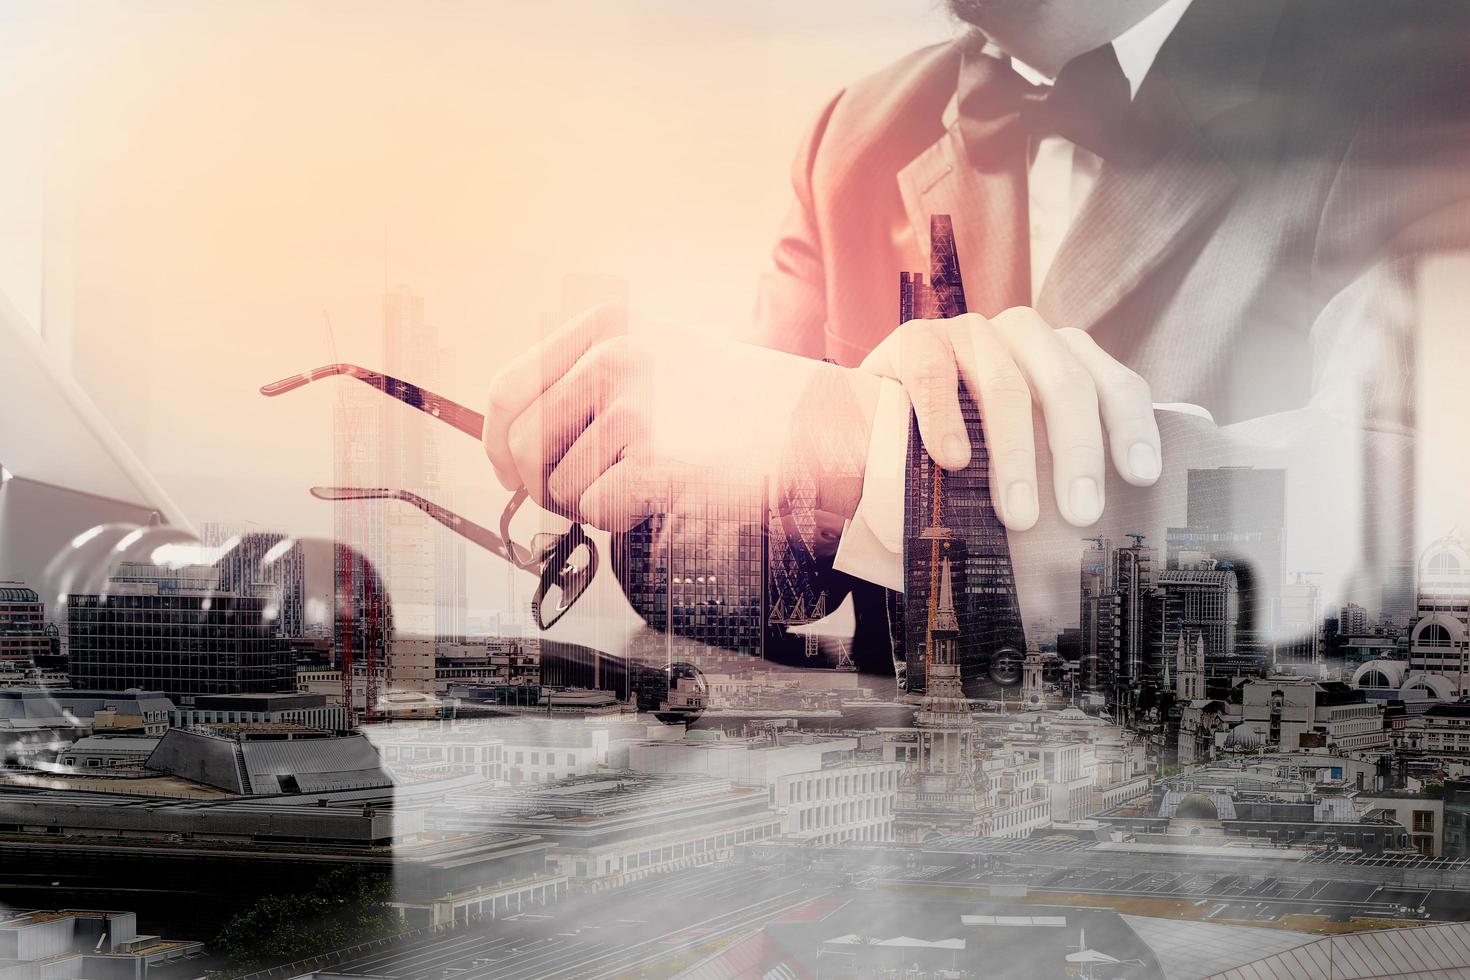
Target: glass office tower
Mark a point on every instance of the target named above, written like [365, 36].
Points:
[991, 639]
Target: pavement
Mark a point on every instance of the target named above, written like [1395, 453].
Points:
[664, 923]
[669, 918]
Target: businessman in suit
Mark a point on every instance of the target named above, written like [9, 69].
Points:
[1224, 203]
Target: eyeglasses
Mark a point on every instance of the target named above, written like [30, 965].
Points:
[566, 562]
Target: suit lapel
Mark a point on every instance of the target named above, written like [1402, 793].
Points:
[1136, 216]
[941, 181]
[1211, 66]
[1133, 219]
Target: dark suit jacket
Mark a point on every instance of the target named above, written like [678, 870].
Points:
[1307, 142]
[1259, 264]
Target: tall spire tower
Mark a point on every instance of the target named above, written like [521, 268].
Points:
[945, 721]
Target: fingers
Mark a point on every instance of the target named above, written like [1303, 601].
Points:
[919, 354]
[997, 383]
[521, 383]
[547, 429]
[1127, 410]
[1068, 398]
[627, 493]
[600, 447]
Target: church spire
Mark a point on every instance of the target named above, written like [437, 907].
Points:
[942, 617]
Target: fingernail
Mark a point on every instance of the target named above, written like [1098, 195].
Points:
[1143, 460]
[956, 451]
[1085, 500]
[1021, 505]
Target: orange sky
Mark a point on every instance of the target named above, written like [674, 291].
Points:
[212, 176]
[204, 179]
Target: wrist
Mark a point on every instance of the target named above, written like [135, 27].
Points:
[835, 449]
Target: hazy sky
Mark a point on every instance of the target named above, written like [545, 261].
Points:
[205, 179]
[210, 177]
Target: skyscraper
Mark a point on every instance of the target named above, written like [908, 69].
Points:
[24, 637]
[1301, 625]
[255, 559]
[1120, 618]
[603, 618]
[1396, 596]
[698, 576]
[991, 640]
[362, 618]
[423, 561]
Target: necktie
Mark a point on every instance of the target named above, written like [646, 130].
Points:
[1090, 104]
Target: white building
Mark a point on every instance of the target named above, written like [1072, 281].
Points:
[433, 751]
[1438, 641]
[823, 792]
[1288, 713]
[617, 827]
[1017, 800]
[1443, 731]
[844, 802]
[515, 751]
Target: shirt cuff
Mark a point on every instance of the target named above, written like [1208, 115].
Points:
[872, 540]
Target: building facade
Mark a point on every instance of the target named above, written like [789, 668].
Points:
[172, 631]
[23, 634]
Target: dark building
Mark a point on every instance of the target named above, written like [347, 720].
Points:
[698, 577]
[23, 633]
[1069, 645]
[228, 853]
[1202, 602]
[1120, 620]
[172, 631]
[991, 637]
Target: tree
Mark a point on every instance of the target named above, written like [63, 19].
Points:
[346, 906]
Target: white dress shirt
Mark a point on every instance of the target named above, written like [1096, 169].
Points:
[1059, 179]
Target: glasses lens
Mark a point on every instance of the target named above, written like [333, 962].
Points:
[544, 543]
[522, 524]
[565, 577]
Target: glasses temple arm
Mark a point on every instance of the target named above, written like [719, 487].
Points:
[463, 526]
[466, 420]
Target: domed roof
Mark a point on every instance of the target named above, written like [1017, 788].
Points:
[1243, 736]
[1071, 714]
[1436, 687]
[1380, 673]
[13, 592]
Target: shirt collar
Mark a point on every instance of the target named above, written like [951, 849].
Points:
[1136, 47]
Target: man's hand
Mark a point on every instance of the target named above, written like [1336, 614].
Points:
[1009, 364]
[605, 428]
